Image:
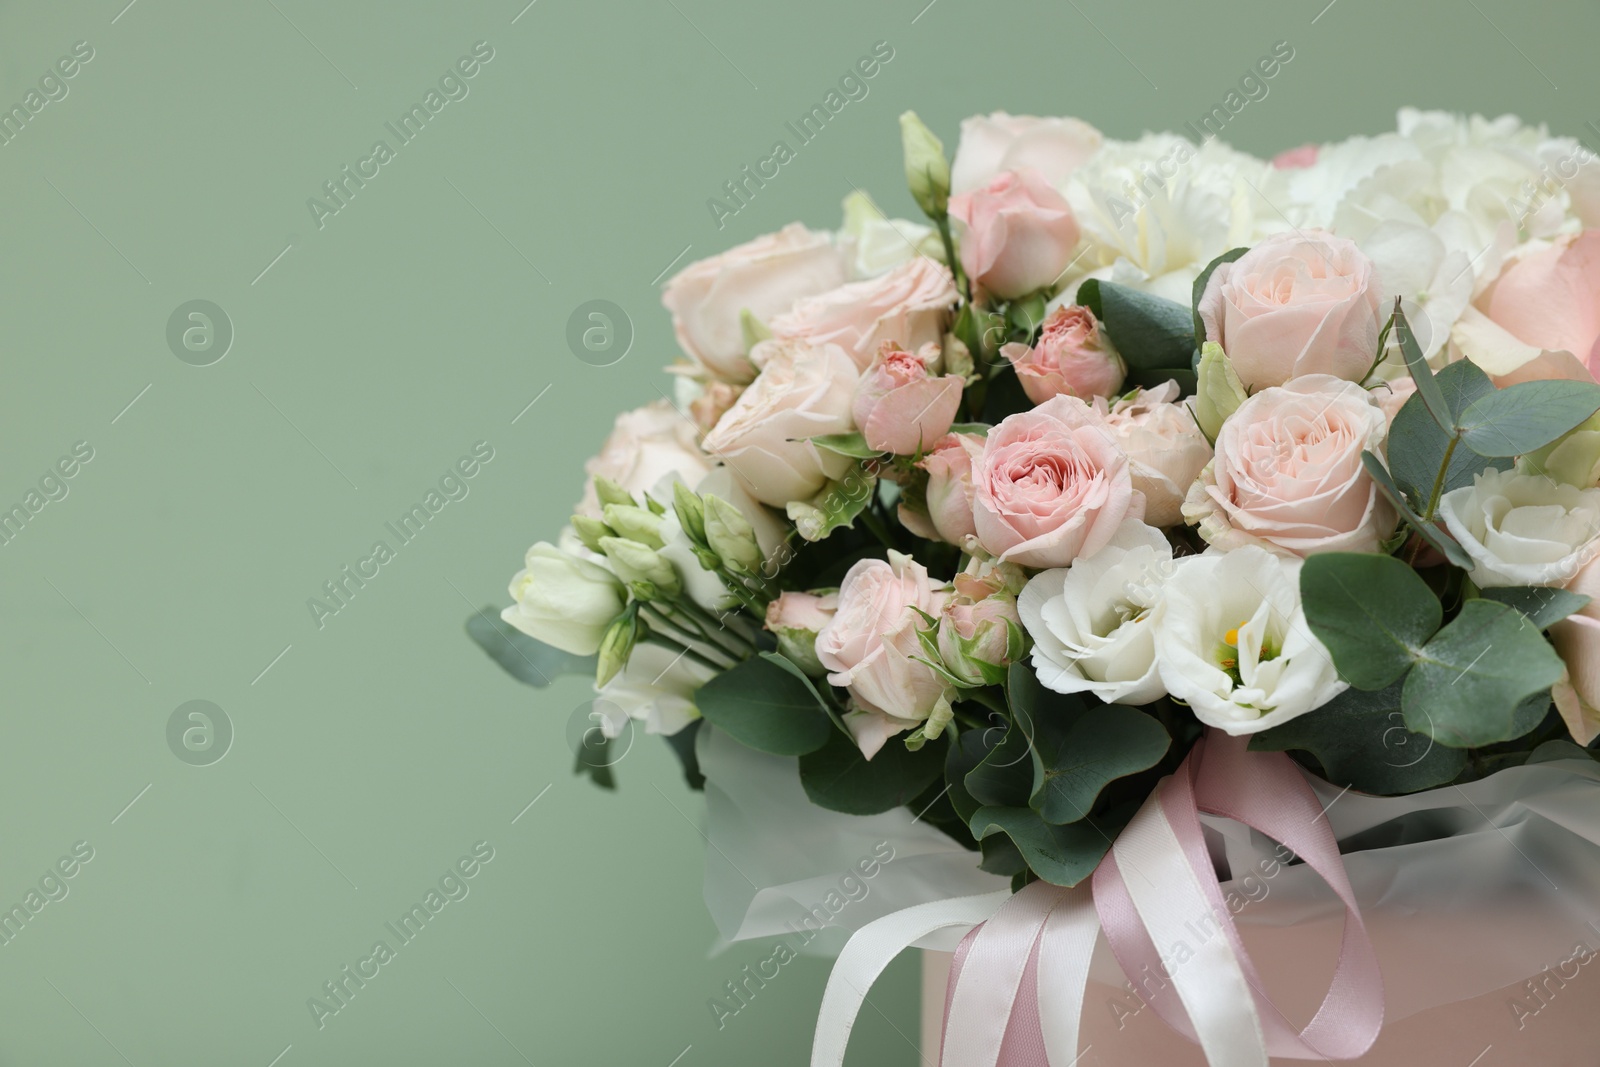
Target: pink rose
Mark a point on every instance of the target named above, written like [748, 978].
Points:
[1051, 485]
[1296, 158]
[950, 493]
[1073, 357]
[802, 391]
[900, 405]
[796, 619]
[1166, 450]
[1288, 474]
[1019, 234]
[713, 402]
[1541, 318]
[909, 305]
[1295, 304]
[870, 647]
[1000, 142]
[645, 445]
[764, 277]
[1391, 396]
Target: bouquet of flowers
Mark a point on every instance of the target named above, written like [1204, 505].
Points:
[1129, 450]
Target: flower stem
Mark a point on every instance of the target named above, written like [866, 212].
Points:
[1438, 481]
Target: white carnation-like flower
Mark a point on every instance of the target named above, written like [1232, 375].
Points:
[1091, 622]
[1523, 529]
[1231, 641]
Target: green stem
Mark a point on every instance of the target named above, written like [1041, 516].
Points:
[1438, 481]
[712, 629]
[950, 256]
[675, 637]
[879, 530]
[657, 639]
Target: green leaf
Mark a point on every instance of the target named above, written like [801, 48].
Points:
[838, 777]
[1417, 445]
[1427, 386]
[1061, 855]
[1199, 289]
[1361, 741]
[793, 668]
[761, 705]
[1542, 605]
[1153, 334]
[1527, 416]
[1472, 677]
[835, 506]
[853, 445]
[1004, 776]
[1430, 532]
[1373, 613]
[1555, 750]
[980, 428]
[519, 655]
[682, 745]
[1001, 856]
[967, 750]
[1076, 756]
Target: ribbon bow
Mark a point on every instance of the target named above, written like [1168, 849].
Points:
[1017, 985]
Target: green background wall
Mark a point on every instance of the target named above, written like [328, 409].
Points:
[372, 352]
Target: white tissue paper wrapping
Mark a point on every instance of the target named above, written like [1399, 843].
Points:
[1465, 889]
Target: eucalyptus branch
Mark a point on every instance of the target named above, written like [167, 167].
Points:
[1438, 481]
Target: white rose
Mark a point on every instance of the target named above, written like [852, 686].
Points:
[645, 445]
[564, 601]
[764, 277]
[656, 688]
[1091, 622]
[1523, 529]
[1232, 642]
[802, 391]
[1166, 450]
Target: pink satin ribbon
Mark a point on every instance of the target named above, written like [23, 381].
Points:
[1159, 878]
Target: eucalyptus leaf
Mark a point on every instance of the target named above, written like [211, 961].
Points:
[1061, 855]
[838, 777]
[1416, 444]
[1427, 386]
[1076, 756]
[1361, 741]
[1527, 416]
[1541, 605]
[765, 707]
[525, 659]
[1471, 679]
[1153, 334]
[682, 745]
[1430, 532]
[1199, 289]
[1372, 612]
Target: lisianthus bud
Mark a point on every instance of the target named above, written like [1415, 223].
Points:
[731, 536]
[636, 564]
[795, 619]
[616, 646]
[609, 492]
[634, 524]
[978, 640]
[927, 171]
[900, 405]
[590, 531]
[564, 601]
[1218, 392]
[691, 512]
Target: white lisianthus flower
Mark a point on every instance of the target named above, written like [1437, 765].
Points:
[1523, 529]
[656, 688]
[874, 244]
[564, 601]
[1091, 622]
[1231, 641]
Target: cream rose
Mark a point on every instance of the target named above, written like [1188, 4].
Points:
[1051, 485]
[764, 277]
[1055, 147]
[1091, 622]
[645, 445]
[803, 391]
[1288, 475]
[1231, 641]
[871, 648]
[1295, 304]
[1523, 529]
[910, 305]
[1165, 448]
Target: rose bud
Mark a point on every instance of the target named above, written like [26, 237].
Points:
[796, 619]
[1073, 357]
[949, 493]
[900, 405]
[975, 637]
[1019, 234]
